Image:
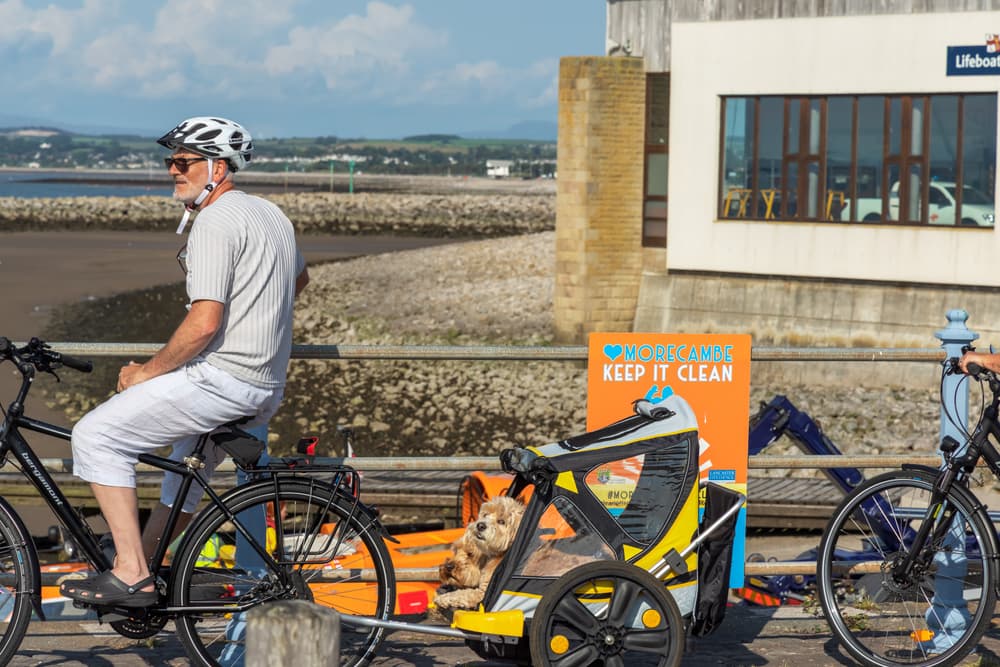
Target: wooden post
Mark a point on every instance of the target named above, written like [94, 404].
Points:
[293, 632]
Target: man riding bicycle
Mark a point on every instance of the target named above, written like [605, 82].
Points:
[226, 360]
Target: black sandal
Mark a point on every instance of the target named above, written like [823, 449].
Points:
[108, 590]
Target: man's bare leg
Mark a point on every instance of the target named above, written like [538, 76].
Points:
[120, 507]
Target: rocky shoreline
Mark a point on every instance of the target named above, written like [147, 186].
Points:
[457, 214]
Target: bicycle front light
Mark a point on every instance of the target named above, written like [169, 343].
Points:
[948, 444]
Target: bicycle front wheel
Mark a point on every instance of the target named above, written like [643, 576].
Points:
[891, 603]
[18, 561]
[323, 550]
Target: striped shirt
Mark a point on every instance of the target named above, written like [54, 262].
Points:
[241, 252]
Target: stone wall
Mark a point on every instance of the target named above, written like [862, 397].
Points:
[468, 215]
[598, 195]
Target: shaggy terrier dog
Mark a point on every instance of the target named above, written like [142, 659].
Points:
[476, 554]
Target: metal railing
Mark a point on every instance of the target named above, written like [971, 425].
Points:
[952, 337]
[514, 353]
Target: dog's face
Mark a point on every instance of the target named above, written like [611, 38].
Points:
[494, 529]
[461, 569]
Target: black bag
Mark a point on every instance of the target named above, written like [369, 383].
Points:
[715, 556]
[243, 447]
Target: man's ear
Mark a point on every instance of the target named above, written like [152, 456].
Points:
[220, 169]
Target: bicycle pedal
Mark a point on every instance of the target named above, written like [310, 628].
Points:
[112, 617]
[104, 614]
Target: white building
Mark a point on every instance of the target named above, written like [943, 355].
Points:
[498, 168]
[815, 167]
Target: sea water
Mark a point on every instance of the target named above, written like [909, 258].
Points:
[34, 183]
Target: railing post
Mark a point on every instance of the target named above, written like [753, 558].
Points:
[953, 337]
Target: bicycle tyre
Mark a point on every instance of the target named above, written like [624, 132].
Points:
[317, 529]
[19, 564]
[885, 620]
[607, 613]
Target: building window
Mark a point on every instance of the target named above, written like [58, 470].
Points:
[654, 204]
[895, 159]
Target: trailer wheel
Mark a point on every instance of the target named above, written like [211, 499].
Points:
[607, 613]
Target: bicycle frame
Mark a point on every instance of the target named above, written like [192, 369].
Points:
[13, 443]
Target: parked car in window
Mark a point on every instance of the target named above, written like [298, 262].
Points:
[977, 206]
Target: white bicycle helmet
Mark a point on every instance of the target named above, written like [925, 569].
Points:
[215, 138]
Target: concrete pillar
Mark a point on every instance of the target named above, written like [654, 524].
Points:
[599, 195]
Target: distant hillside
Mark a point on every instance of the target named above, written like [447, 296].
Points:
[529, 130]
[48, 147]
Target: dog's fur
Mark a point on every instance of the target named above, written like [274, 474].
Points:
[550, 561]
[476, 554]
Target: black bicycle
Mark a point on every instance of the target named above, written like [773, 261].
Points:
[908, 567]
[297, 530]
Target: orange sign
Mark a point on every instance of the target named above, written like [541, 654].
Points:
[709, 371]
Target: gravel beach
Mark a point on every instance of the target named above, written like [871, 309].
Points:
[497, 291]
[492, 291]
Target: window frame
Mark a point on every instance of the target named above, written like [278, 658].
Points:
[905, 159]
[652, 148]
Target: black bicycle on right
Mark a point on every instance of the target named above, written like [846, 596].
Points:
[907, 570]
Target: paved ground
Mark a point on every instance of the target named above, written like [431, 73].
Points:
[784, 637]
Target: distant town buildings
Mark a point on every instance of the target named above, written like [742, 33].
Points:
[498, 168]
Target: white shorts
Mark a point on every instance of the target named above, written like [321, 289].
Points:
[173, 409]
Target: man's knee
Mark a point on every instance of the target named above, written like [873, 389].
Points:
[85, 433]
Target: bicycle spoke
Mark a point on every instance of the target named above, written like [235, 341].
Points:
[320, 555]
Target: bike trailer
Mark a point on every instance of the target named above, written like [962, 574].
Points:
[627, 492]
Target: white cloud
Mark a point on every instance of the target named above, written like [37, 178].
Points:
[62, 28]
[533, 86]
[124, 59]
[347, 51]
[487, 74]
[547, 74]
[223, 53]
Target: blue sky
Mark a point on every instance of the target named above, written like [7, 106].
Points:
[351, 68]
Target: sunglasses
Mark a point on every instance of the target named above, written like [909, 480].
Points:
[182, 163]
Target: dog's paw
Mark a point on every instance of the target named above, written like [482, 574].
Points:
[436, 614]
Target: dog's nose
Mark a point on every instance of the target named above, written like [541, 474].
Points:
[481, 526]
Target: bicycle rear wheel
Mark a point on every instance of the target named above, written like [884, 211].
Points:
[17, 581]
[325, 553]
[934, 613]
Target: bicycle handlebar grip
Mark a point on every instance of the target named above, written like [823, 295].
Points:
[974, 369]
[76, 364]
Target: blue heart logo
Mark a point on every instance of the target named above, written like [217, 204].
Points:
[612, 352]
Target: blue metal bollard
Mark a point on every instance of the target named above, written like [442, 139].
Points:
[953, 337]
[948, 616]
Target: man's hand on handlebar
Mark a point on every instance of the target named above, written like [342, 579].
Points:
[973, 362]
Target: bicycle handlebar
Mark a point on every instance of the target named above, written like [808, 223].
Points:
[38, 353]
